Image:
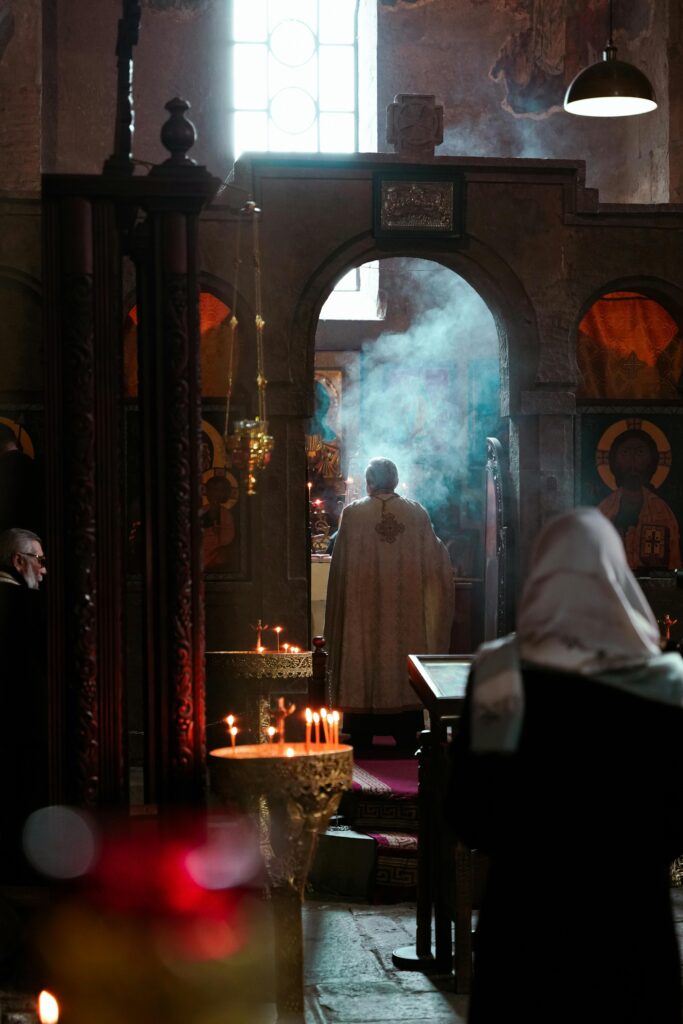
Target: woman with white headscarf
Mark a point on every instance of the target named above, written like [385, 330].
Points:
[568, 773]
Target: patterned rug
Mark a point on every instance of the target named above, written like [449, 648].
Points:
[383, 805]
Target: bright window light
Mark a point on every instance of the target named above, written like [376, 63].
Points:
[305, 81]
[355, 296]
[293, 62]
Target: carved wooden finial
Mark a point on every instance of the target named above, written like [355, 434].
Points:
[414, 125]
[178, 134]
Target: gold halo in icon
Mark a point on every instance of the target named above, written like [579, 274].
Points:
[20, 432]
[614, 431]
[218, 468]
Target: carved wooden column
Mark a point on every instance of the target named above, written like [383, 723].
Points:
[86, 218]
[170, 407]
[83, 539]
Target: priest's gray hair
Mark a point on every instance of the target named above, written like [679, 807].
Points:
[14, 541]
[381, 475]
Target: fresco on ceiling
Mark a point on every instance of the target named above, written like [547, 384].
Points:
[553, 41]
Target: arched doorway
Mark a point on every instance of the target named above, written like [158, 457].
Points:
[417, 382]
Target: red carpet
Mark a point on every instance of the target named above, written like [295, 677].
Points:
[383, 805]
[377, 777]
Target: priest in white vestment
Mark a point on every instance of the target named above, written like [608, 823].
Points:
[390, 594]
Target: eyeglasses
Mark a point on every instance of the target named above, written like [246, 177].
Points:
[40, 559]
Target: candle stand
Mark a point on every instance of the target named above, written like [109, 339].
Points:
[301, 792]
[251, 679]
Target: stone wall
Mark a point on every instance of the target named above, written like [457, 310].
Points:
[501, 68]
[20, 77]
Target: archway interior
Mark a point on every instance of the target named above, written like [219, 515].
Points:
[629, 347]
[420, 385]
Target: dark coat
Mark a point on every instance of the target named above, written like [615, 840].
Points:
[23, 750]
[581, 825]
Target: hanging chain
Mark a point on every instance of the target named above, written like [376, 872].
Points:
[258, 319]
[233, 326]
[249, 446]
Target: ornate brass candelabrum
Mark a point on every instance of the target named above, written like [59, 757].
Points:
[248, 448]
[300, 785]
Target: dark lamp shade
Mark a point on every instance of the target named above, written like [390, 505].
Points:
[610, 88]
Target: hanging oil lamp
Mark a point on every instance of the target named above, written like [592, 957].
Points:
[249, 446]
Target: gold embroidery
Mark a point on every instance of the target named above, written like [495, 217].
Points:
[389, 527]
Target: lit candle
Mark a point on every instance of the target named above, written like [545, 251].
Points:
[48, 1008]
[326, 730]
[335, 726]
[277, 630]
[271, 730]
[294, 650]
[316, 726]
[233, 734]
[260, 650]
[289, 752]
[309, 720]
[230, 721]
[286, 647]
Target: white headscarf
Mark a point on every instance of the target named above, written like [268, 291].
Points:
[581, 611]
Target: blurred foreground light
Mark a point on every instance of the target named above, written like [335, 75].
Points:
[60, 842]
[229, 858]
[48, 1008]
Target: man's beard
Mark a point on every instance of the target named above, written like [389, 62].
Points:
[32, 581]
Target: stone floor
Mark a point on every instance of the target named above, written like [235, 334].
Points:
[349, 974]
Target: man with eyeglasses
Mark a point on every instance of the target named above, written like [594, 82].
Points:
[22, 562]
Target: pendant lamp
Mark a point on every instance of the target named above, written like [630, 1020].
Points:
[610, 88]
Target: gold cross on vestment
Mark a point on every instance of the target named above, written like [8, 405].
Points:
[389, 527]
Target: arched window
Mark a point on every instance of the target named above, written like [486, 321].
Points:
[303, 75]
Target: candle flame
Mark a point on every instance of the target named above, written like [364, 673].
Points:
[48, 1008]
[316, 717]
[271, 732]
[230, 720]
[260, 650]
[286, 647]
[233, 730]
[289, 752]
[278, 629]
[309, 716]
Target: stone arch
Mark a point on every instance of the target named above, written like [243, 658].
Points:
[480, 266]
[504, 295]
[669, 294]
